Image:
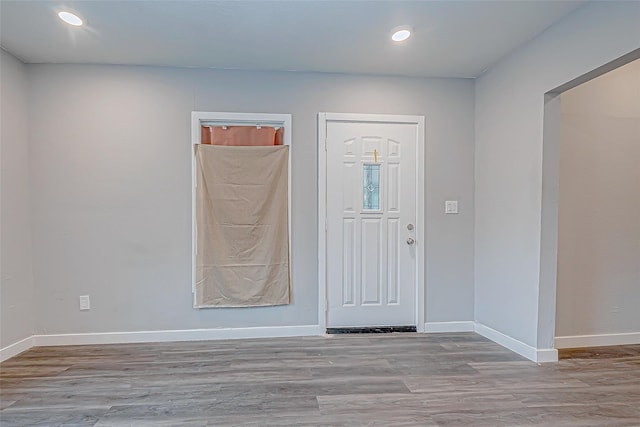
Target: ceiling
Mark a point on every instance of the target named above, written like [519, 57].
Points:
[451, 38]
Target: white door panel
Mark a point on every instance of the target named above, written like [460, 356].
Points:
[371, 212]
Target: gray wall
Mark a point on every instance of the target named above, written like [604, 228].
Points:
[110, 173]
[598, 287]
[16, 288]
[509, 138]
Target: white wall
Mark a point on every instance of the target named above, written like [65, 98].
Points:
[508, 163]
[110, 173]
[16, 287]
[598, 290]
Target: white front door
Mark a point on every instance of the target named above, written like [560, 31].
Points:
[371, 232]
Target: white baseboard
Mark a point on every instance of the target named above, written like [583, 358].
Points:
[158, 336]
[178, 335]
[435, 327]
[16, 348]
[531, 353]
[546, 355]
[597, 340]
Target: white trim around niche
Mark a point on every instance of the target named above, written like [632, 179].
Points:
[231, 119]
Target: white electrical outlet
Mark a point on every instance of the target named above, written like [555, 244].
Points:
[85, 304]
[451, 206]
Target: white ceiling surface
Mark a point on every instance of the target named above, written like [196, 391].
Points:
[451, 38]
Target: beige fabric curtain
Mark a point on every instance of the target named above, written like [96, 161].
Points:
[242, 256]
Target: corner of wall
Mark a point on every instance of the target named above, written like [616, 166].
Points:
[16, 262]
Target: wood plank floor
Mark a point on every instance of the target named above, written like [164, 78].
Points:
[379, 379]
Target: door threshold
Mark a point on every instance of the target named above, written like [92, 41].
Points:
[371, 330]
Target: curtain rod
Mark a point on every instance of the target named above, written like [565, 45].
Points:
[258, 125]
[241, 123]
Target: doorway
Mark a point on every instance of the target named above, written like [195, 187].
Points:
[598, 276]
[574, 312]
[371, 236]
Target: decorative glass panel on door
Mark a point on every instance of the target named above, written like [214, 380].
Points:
[371, 187]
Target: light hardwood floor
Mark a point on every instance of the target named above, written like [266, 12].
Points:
[379, 379]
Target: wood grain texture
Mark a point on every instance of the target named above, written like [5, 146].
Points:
[457, 379]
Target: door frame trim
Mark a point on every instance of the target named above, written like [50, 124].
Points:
[323, 118]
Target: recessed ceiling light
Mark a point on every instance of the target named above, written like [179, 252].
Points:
[401, 33]
[70, 18]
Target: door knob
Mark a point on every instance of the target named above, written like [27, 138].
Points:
[410, 241]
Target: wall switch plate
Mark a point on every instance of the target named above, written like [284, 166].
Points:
[451, 206]
[84, 302]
